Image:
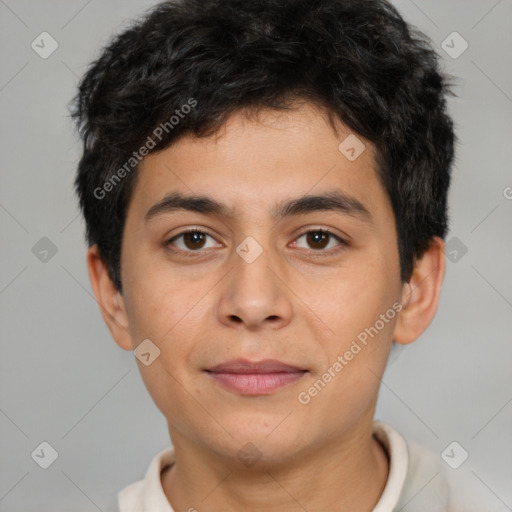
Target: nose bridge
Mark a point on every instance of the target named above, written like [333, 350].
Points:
[254, 293]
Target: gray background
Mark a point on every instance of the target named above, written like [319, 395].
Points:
[63, 380]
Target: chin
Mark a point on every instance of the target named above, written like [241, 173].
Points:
[266, 446]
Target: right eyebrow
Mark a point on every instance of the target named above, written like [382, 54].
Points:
[198, 204]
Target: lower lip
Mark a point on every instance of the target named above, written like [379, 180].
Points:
[256, 383]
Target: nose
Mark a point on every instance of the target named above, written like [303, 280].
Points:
[254, 294]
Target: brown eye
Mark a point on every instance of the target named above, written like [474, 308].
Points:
[190, 241]
[194, 240]
[319, 240]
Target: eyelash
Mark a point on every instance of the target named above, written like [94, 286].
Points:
[317, 252]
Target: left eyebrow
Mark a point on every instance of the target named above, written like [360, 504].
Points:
[337, 201]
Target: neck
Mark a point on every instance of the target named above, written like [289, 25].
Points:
[343, 474]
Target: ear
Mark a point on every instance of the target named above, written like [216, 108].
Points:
[420, 296]
[109, 299]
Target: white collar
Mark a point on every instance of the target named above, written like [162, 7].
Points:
[396, 449]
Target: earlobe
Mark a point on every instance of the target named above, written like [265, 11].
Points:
[420, 296]
[109, 299]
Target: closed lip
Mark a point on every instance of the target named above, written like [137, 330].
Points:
[244, 366]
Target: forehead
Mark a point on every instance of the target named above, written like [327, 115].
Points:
[252, 163]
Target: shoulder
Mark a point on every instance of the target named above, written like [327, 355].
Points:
[147, 494]
[430, 485]
[130, 499]
[427, 485]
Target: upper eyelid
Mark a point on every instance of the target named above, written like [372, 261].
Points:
[190, 230]
[322, 230]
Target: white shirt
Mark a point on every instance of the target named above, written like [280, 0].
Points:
[417, 481]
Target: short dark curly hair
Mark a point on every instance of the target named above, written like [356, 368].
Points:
[357, 60]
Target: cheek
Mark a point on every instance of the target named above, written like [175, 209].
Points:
[354, 296]
[171, 393]
[170, 321]
[352, 305]
[159, 299]
[347, 385]
[169, 309]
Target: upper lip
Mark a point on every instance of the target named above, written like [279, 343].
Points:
[249, 367]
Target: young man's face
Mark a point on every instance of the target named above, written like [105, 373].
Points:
[207, 299]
